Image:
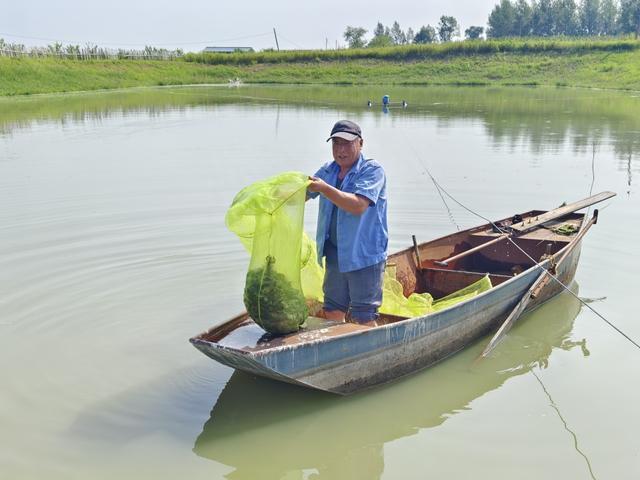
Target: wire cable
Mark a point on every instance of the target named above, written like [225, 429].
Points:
[539, 266]
[566, 426]
[291, 42]
[547, 271]
[446, 205]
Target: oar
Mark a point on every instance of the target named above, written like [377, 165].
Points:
[531, 223]
[534, 290]
[445, 262]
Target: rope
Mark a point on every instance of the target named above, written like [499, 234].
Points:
[449, 212]
[526, 254]
[566, 426]
[594, 148]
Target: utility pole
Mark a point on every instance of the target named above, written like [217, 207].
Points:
[326, 43]
[276, 35]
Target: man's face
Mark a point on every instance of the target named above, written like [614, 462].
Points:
[346, 153]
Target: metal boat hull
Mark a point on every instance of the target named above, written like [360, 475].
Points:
[348, 363]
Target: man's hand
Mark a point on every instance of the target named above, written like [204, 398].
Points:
[317, 185]
[352, 203]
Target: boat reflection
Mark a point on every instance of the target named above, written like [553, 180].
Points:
[266, 429]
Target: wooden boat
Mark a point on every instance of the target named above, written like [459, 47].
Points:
[347, 357]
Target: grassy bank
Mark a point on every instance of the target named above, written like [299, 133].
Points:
[19, 76]
[580, 63]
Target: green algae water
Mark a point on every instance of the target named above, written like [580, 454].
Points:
[113, 252]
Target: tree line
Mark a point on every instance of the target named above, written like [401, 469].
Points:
[446, 30]
[545, 18]
[516, 18]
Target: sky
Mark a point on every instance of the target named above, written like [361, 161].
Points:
[193, 24]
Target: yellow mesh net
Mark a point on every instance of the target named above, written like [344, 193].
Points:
[268, 218]
[393, 300]
[284, 276]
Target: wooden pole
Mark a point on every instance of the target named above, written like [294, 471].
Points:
[417, 252]
[534, 222]
[534, 290]
[276, 37]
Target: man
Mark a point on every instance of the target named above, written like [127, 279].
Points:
[352, 227]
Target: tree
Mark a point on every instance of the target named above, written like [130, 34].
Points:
[542, 21]
[473, 33]
[399, 38]
[426, 34]
[589, 17]
[565, 13]
[501, 20]
[410, 35]
[381, 37]
[608, 17]
[523, 14]
[448, 28]
[629, 19]
[379, 30]
[380, 41]
[355, 36]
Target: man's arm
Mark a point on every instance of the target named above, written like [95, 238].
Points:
[350, 202]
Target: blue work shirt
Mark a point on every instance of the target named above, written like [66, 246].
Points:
[362, 239]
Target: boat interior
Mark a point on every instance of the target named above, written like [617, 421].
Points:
[444, 266]
[439, 267]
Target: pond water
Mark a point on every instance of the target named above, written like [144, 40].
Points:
[113, 252]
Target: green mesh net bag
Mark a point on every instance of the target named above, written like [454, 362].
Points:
[268, 218]
[312, 275]
[284, 279]
[476, 288]
[395, 303]
[418, 304]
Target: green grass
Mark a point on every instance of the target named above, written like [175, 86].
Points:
[612, 63]
[19, 76]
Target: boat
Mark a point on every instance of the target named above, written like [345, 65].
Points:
[529, 257]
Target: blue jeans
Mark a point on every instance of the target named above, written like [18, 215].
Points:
[359, 291]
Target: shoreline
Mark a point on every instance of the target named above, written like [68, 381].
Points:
[246, 85]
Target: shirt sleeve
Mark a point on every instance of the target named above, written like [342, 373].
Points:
[370, 183]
